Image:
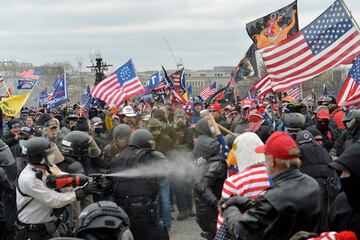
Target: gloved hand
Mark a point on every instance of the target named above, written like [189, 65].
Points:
[104, 182]
[89, 188]
[241, 202]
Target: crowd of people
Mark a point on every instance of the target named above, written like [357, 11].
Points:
[272, 169]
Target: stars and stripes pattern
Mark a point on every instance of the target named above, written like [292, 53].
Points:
[330, 40]
[294, 92]
[176, 78]
[350, 92]
[30, 74]
[251, 182]
[262, 87]
[209, 91]
[123, 84]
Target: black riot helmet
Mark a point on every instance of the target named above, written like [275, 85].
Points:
[36, 150]
[76, 143]
[142, 139]
[104, 220]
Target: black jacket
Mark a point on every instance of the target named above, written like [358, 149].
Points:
[342, 217]
[291, 204]
[314, 162]
[10, 140]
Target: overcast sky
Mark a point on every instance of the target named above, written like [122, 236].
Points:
[204, 33]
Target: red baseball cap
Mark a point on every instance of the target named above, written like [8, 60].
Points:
[323, 114]
[216, 107]
[280, 145]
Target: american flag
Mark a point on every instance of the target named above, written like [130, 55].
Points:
[159, 87]
[262, 87]
[207, 92]
[1, 79]
[350, 92]
[330, 40]
[119, 86]
[30, 74]
[176, 78]
[294, 92]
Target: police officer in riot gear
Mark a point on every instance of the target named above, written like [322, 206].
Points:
[137, 195]
[35, 201]
[81, 147]
[351, 134]
[104, 220]
[7, 192]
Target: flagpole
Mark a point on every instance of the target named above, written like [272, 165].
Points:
[7, 89]
[351, 17]
[301, 91]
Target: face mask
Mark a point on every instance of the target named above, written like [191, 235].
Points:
[98, 130]
[322, 125]
[22, 142]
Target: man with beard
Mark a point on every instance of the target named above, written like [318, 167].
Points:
[129, 117]
[322, 124]
[344, 214]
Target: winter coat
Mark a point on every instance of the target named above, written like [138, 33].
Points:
[291, 204]
[342, 217]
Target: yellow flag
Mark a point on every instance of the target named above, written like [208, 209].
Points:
[11, 106]
[186, 96]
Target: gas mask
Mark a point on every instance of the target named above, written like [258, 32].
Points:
[292, 132]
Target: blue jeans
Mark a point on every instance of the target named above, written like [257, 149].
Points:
[164, 203]
[183, 194]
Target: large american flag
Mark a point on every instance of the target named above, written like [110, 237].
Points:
[294, 92]
[207, 92]
[330, 40]
[350, 92]
[119, 86]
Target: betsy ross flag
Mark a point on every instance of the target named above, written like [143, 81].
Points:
[330, 40]
[207, 92]
[121, 85]
[294, 92]
[350, 92]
